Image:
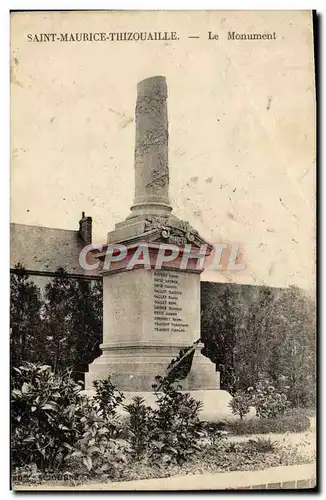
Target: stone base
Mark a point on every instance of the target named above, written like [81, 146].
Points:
[135, 368]
[215, 404]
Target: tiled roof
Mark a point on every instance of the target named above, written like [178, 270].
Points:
[44, 249]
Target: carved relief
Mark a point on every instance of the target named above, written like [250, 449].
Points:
[156, 223]
[159, 177]
[152, 138]
[177, 232]
[153, 104]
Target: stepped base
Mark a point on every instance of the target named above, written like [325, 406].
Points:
[215, 403]
[135, 368]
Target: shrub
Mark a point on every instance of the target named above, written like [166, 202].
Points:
[139, 426]
[215, 431]
[107, 397]
[176, 426]
[285, 423]
[97, 456]
[46, 411]
[93, 437]
[269, 403]
[106, 400]
[260, 445]
[99, 451]
[240, 404]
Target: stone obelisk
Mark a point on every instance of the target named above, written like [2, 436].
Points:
[151, 149]
[149, 315]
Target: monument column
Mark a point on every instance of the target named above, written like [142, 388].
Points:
[150, 314]
[151, 149]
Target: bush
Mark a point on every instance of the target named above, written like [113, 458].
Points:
[106, 400]
[72, 439]
[46, 412]
[280, 425]
[215, 431]
[56, 427]
[269, 403]
[251, 446]
[176, 427]
[107, 397]
[139, 426]
[60, 434]
[259, 445]
[98, 456]
[240, 404]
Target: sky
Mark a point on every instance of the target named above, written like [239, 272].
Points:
[241, 129]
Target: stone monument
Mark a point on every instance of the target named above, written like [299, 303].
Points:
[150, 314]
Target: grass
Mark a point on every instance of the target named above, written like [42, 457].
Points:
[297, 421]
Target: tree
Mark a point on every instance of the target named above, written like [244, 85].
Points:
[253, 336]
[255, 332]
[220, 319]
[26, 331]
[63, 328]
[58, 321]
[293, 362]
[73, 321]
[87, 320]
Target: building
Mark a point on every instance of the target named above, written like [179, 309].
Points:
[42, 250]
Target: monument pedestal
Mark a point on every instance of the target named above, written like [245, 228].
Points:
[149, 316]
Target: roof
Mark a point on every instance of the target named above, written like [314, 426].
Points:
[43, 249]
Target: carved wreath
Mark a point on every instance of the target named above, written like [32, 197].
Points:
[179, 233]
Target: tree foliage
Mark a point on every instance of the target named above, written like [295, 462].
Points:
[61, 327]
[256, 332]
[46, 410]
[240, 404]
[26, 328]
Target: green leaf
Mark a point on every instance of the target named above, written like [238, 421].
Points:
[92, 449]
[29, 439]
[104, 467]
[16, 392]
[44, 367]
[25, 388]
[68, 446]
[76, 453]
[103, 430]
[63, 427]
[49, 406]
[88, 462]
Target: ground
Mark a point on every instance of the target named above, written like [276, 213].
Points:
[298, 448]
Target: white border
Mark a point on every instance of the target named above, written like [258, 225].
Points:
[5, 153]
